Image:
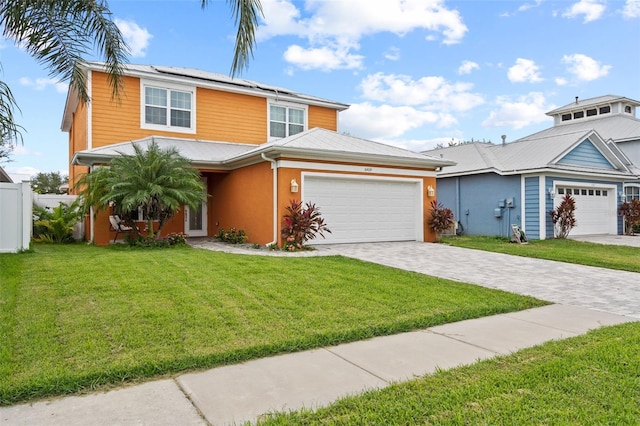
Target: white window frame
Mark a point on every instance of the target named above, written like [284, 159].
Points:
[624, 191]
[287, 105]
[168, 87]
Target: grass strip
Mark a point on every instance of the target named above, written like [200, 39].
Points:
[589, 379]
[603, 256]
[79, 317]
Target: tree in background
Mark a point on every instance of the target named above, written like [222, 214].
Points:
[630, 210]
[158, 181]
[60, 33]
[49, 183]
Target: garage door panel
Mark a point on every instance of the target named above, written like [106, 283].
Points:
[595, 212]
[365, 210]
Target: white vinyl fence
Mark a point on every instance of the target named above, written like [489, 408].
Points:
[53, 200]
[15, 216]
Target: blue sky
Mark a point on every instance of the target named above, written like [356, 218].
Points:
[416, 72]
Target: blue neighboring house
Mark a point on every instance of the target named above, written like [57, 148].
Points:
[591, 153]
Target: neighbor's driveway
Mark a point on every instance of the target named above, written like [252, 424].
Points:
[596, 288]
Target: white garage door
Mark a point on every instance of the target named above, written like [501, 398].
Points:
[595, 209]
[366, 210]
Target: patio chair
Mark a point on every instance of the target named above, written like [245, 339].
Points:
[118, 225]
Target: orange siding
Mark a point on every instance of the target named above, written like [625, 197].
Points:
[231, 117]
[243, 199]
[325, 118]
[77, 142]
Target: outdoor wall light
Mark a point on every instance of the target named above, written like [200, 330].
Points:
[551, 193]
[431, 192]
[294, 185]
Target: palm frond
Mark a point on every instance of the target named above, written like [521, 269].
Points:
[245, 13]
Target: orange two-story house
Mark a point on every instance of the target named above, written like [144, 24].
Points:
[256, 148]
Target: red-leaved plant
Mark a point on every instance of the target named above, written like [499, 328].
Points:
[301, 224]
[440, 218]
[630, 210]
[564, 217]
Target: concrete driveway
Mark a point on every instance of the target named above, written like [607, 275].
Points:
[615, 240]
[585, 286]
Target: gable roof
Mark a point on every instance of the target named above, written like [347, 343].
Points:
[619, 128]
[200, 78]
[534, 153]
[317, 143]
[4, 177]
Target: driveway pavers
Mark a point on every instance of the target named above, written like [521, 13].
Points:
[577, 285]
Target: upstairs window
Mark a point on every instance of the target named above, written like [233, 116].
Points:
[605, 110]
[168, 109]
[631, 193]
[627, 109]
[566, 117]
[286, 120]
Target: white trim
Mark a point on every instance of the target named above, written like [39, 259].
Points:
[370, 170]
[286, 105]
[89, 130]
[187, 211]
[159, 84]
[542, 197]
[419, 226]
[523, 195]
[583, 185]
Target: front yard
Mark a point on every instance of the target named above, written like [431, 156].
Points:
[79, 317]
[570, 251]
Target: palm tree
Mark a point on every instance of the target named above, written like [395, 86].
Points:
[59, 33]
[159, 181]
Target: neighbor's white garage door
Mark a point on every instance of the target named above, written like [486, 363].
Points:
[596, 211]
[366, 210]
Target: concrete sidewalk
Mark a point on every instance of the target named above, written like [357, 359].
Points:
[244, 392]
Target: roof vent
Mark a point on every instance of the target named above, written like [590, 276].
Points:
[504, 139]
[576, 100]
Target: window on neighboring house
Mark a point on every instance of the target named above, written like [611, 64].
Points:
[631, 193]
[286, 121]
[566, 117]
[592, 112]
[627, 109]
[605, 110]
[578, 114]
[168, 109]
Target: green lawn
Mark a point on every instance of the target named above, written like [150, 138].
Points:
[604, 256]
[590, 379]
[79, 317]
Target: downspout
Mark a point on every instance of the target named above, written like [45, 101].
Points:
[274, 167]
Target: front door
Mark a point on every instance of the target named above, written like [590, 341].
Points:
[195, 221]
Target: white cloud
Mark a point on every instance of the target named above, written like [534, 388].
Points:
[591, 9]
[561, 81]
[370, 121]
[525, 70]
[518, 113]
[43, 83]
[324, 58]
[392, 54]
[432, 93]
[339, 25]
[631, 9]
[137, 38]
[467, 66]
[585, 68]
[527, 6]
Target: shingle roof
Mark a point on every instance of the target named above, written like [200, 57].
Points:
[314, 143]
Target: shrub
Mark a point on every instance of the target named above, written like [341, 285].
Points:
[563, 217]
[301, 224]
[441, 218]
[56, 225]
[176, 239]
[233, 236]
[631, 213]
